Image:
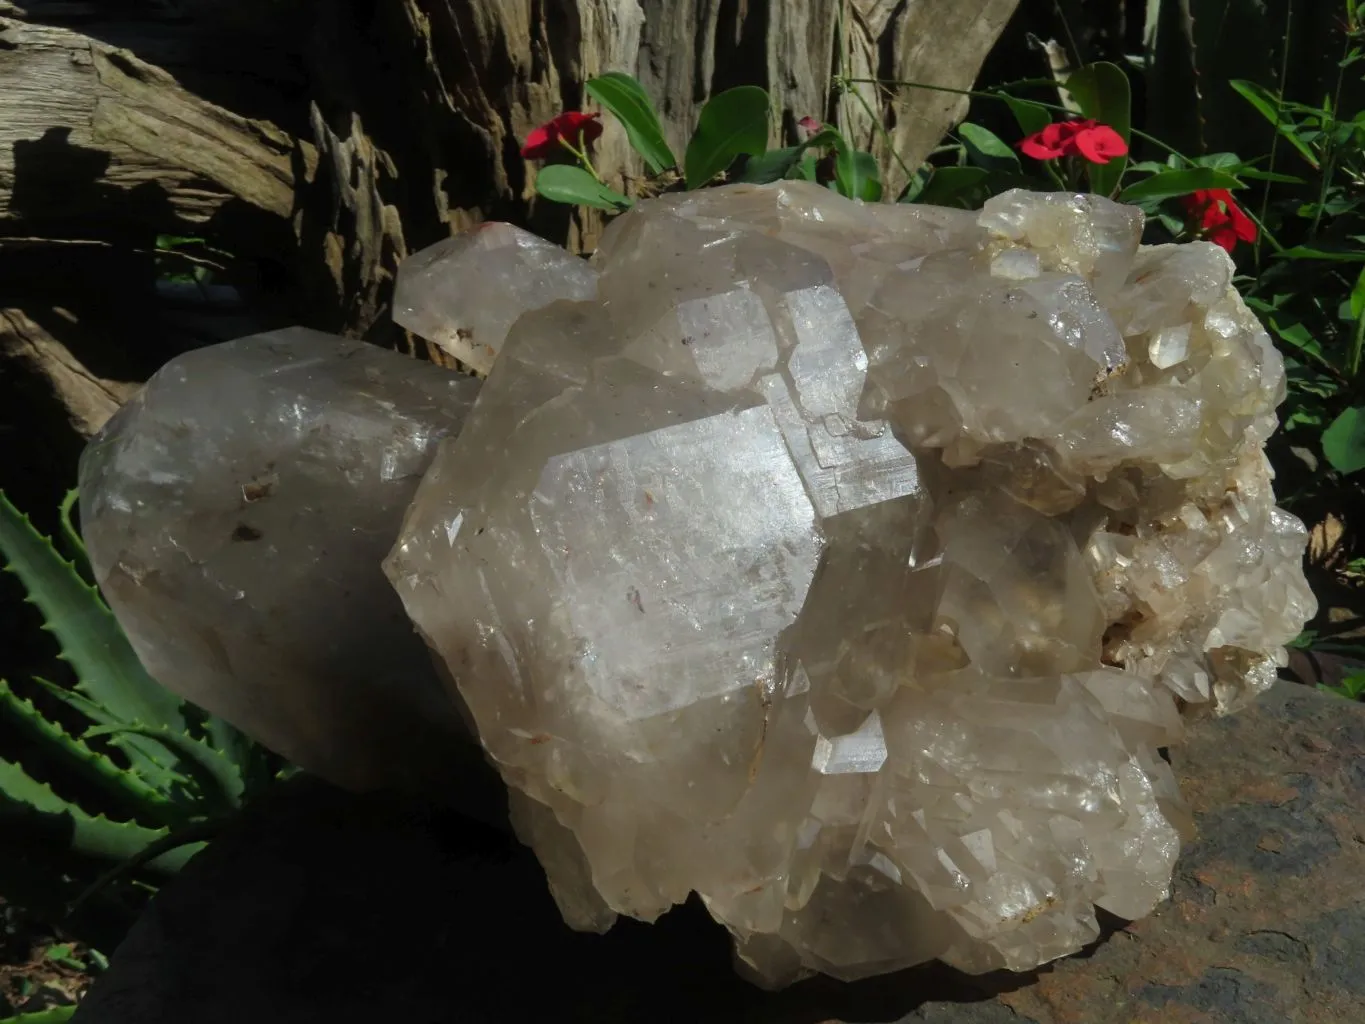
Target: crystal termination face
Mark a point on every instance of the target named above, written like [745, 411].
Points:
[236, 513]
[849, 565]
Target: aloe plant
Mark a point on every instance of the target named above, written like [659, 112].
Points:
[126, 778]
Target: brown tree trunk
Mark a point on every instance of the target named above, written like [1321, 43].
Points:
[319, 141]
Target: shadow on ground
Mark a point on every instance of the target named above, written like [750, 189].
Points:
[322, 907]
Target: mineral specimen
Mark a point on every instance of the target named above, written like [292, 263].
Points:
[463, 293]
[849, 565]
[236, 512]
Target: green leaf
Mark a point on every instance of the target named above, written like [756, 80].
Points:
[109, 672]
[55, 1015]
[64, 953]
[807, 168]
[71, 538]
[626, 99]
[914, 188]
[30, 809]
[151, 762]
[776, 164]
[1032, 117]
[1102, 92]
[773, 165]
[1256, 174]
[568, 183]
[130, 794]
[986, 149]
[1308, 252]
[219, 780]
[953, 186]
[1358, 296]
[1169, 184]
[1230, 162]
[856, 174]
[1344, 441]
[734, 122]
[1271, 108]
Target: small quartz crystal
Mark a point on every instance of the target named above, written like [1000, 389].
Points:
[848, 566]
[463, 293]
[236, 512]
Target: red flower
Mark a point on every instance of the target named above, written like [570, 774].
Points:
[1096, 142]
[809, 127]
[1221, 219]
[566, 127]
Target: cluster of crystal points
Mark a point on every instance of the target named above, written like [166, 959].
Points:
[848, 566]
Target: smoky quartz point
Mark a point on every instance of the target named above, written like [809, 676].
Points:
[236, 512]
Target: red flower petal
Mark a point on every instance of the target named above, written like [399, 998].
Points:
[1099, 143]
[1223, 235]
[540, 143]
[1048, 144]
[570, 125]
[1222, 220]
[809, 127]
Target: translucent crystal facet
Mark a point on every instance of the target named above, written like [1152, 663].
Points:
[848, 565]
[236, 512]
[464, 293]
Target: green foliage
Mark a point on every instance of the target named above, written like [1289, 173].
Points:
[124, 778]
[732, 124]
[625, 98]
[777, 164]
[568, 183]
[1352, 687]
[1343, 442]
[856, 174]
[1102, 92]
[729, 144]
[1176, 183]
[986, 149]
[56, 1015]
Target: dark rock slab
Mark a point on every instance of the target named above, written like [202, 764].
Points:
[327, 907]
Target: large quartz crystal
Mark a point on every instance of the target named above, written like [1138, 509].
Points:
[848, 566]
[236, 512]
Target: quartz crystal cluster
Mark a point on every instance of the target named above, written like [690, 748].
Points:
[849, 565]
[236, 513]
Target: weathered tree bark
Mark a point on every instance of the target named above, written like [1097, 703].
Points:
[331, 137]
[320, 141]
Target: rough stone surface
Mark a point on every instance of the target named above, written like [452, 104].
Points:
[464, 293]
[324, 908]
[236, 512]
[847, 566]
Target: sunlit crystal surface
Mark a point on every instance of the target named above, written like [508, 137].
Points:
[236, 512]
[463, 293]
[848, 566]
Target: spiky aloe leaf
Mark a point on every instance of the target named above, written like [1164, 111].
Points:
[218, 779]
[108, 670]
[41, 812]
[55, 1015]
[71, 537]
[129, 793]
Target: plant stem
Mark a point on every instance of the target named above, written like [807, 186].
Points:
[1275, 139]
[881, 127]
[1357, 342]
[581, 152]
